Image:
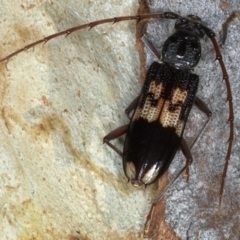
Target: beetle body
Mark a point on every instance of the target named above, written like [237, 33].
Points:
[157, 125]
[155, 131]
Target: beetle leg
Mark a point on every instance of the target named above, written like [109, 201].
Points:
[148, 221]
[151, 46]
[187, 153]
[147, 42]
[203, 108]
[209, 53]
[132, 106]
[225, 25]
[223, 33]
[185, 149]
[113, 135]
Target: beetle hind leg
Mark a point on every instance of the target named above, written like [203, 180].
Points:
[113, 135]
[187, 153]
[186, 150]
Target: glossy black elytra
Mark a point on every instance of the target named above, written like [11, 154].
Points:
[161, 110]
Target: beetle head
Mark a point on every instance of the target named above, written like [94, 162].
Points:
[191, 24]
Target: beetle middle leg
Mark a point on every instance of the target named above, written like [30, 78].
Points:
[203, 108]
[188, 155]
[186, 150]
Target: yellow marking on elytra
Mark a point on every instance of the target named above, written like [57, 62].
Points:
[149, 112]
[170, 117]
[170, 109]
[179, 127]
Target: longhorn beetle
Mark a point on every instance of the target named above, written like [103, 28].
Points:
[156, 126]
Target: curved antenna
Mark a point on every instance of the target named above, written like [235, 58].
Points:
[138, 18]
[211, 35]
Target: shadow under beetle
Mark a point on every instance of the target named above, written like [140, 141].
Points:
[155, 131]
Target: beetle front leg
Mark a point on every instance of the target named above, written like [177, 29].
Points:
[230, 19]
[184, 146]
[147, 42]
[203, 108]
[113, 135]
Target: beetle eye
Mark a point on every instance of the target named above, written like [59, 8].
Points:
[151, 174]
